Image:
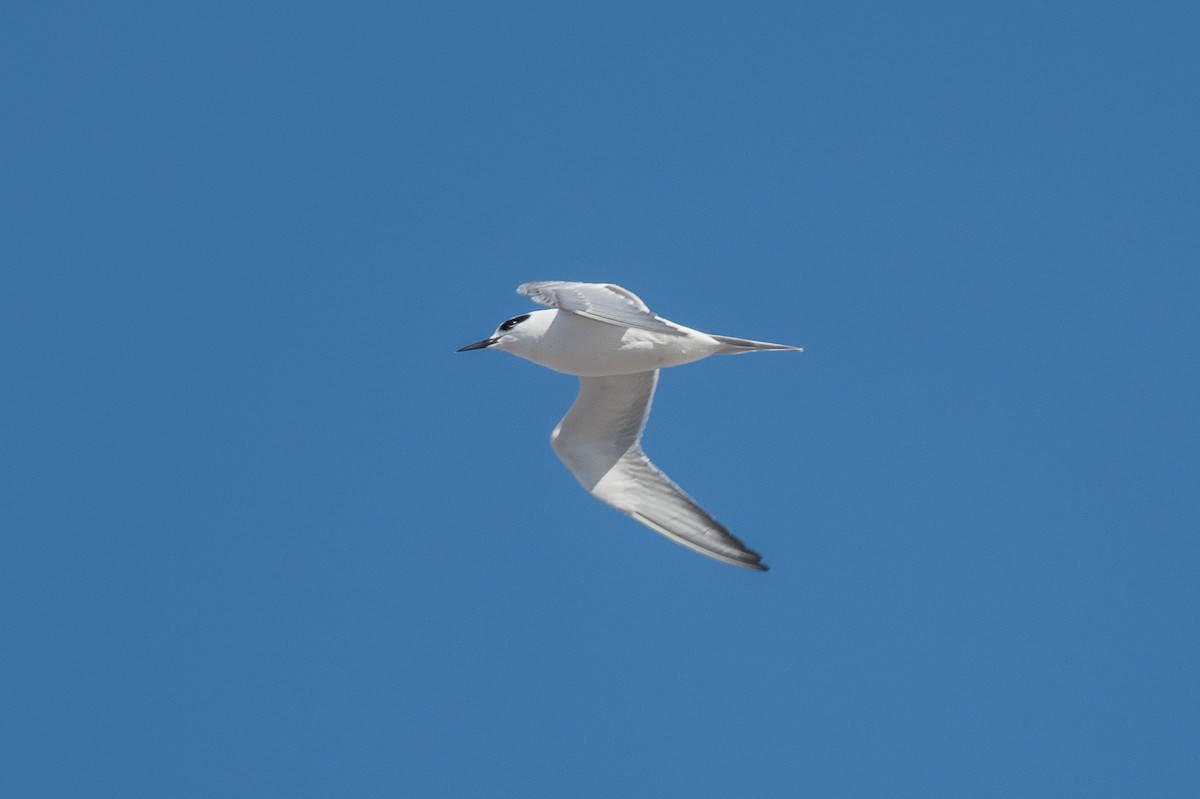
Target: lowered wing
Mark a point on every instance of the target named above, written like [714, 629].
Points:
[599, 440]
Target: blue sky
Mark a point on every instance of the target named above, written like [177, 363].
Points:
[264, 534]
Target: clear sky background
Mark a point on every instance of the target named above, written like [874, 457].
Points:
[264, 534]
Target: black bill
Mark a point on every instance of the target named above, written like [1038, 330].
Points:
[478, 345]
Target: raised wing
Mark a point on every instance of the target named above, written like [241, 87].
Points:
[603, 302]
[599, 440]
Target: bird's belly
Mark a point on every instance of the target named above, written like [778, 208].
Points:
[594, 349]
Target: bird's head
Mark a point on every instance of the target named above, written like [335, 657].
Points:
[518, 335]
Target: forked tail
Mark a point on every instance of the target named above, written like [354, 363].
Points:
[736, 346]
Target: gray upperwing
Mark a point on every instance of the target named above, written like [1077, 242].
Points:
[603, 302]
[599, 441]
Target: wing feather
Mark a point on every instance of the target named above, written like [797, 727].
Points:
[599, 440]
[603, 302]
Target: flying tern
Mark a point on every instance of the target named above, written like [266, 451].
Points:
[616, 345]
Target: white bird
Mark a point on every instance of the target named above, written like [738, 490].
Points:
[609, 338]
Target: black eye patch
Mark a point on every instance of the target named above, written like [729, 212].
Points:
[516, 320]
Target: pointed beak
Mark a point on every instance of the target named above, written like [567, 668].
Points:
[478, 345]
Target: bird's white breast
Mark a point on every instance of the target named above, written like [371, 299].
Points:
[579, 346]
